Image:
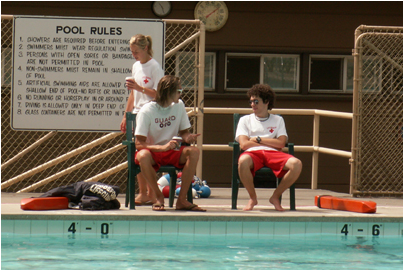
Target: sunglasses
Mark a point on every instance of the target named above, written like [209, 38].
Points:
[255, 101]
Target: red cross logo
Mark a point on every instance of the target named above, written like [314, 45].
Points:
[145, 81]
[271, 129]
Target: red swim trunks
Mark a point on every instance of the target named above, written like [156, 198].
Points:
[275, 160]
[170, 157]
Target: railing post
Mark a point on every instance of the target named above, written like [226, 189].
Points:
[315, 153]
[200, 99]
[354, 130]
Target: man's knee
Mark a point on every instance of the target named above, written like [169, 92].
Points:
[192, 152]
[294, 164]
[143, 156]
[245, 162]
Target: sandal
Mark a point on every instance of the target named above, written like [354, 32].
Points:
[192, 207]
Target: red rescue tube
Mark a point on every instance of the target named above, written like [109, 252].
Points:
[330, 202]
[47, 203]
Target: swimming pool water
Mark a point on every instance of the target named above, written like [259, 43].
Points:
[193, 251]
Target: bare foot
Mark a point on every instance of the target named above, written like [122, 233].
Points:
[151, 196]
[158, 207]
[250, 205]
[276, 203]
[144, 199]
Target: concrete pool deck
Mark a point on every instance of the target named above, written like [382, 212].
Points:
[218, 207]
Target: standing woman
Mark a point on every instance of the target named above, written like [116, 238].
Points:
[146, 73]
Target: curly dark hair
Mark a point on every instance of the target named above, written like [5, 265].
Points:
[265, 92]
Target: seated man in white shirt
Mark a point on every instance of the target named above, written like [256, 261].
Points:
[157, 123]
[262, 136]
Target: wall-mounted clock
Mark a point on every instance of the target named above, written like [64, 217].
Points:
[213, 14]
[161, 8]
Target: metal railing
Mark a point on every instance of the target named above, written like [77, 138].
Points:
[315, 149]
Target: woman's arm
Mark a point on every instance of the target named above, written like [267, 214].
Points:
[129, 108]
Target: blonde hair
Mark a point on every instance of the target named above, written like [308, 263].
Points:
[142, 42]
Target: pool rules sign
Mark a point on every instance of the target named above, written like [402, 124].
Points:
[69, 73]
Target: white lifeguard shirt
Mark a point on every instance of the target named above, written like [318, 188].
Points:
[146, 75]
[250, 126]
[160, 124]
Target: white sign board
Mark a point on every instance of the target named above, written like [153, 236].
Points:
[69, 73]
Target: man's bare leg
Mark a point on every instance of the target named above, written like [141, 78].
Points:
[244, 167]
[146, 164]
[294, 167]
[146, 194]
[189, 156]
